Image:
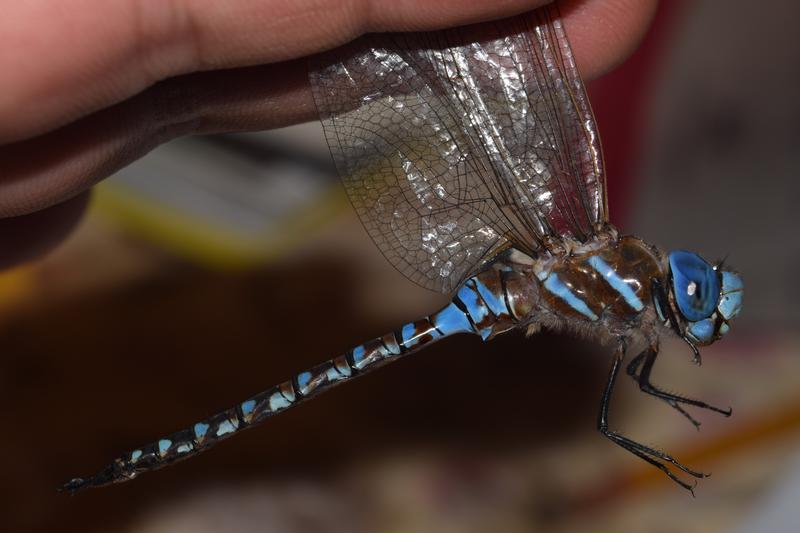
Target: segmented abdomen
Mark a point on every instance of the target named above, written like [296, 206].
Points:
[486, 304]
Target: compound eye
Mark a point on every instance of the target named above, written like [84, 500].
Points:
[730, 304]
[703, 331]
[695, 285]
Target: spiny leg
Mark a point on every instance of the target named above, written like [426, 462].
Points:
[633, 369]
[652, 456]
[647, 359]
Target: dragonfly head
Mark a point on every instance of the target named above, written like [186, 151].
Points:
[703, 298]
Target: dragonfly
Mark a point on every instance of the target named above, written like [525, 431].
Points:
[473, 160]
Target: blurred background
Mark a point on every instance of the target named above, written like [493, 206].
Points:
[200, 268]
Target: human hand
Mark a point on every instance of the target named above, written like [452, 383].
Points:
[88, 87]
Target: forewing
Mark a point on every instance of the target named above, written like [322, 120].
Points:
[455, 144]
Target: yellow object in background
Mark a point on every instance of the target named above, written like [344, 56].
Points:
[227, 201]
[15, 285]
[205, 240]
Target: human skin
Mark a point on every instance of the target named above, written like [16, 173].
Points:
[88, 87]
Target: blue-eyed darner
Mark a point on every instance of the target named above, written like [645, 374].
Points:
[472, 158]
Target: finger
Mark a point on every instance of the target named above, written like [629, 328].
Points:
[68, 59]
[62, 60]
[26, 237]
[604, 33]
[46, 170]
[43, 171]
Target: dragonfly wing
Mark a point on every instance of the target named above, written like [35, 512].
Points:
[457, 143]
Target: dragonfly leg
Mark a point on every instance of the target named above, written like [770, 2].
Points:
[633, 371]
[655, 457]
[647, 359]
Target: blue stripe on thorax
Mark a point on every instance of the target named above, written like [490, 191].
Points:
[616, 282]
[558, 288]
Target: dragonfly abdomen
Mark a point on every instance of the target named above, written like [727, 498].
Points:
[486, 304]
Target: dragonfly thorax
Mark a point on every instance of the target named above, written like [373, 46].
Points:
[604, 285]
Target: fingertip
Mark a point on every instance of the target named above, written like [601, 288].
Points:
[604, 33]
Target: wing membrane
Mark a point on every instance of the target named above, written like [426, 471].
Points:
[455, 144]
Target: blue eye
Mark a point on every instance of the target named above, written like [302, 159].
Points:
[703, 331]
[731, 302]
[695, 285]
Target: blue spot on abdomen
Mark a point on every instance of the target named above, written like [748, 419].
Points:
[452, 320]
